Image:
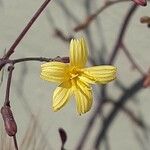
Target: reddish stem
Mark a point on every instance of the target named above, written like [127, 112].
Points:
[7, 102]
[25, 30]
[15, 142]
[90, 18]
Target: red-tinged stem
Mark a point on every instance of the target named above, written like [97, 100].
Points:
[25, 30]
[40, 59]
[15, 142]
[91, 17]
[7, 102]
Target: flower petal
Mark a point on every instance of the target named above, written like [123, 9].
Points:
[54, 71]
[78, 53]
[83, 96]
[61, 95]
[98, 74]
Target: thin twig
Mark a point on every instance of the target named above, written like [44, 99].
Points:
[91, 17]
[89, 126]
[126, 51]
[7, 102]
[122, 33]
[106, 138]
[138, 85]
[25, 30]
[15, 142]
[92, 120]
[129, 113]
[10, 124]
[62, 36]
[41, 59]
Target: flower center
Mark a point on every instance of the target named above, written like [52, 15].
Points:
[74, 72]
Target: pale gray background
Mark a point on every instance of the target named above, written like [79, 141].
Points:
[40, 41]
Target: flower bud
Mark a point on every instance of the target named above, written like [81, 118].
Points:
[141, 2]
[9, 121]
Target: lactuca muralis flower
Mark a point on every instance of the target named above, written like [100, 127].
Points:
[75, 79]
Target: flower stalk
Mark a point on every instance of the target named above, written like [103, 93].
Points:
[23, 33]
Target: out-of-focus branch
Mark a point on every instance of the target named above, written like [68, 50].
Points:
[89, 125]
[106, 138]
[67, 12]
[128, 93]
[129, 113]
[122, 33]
[132, 61]
[120, 37]
[91, 17]
[62, 36]
[138, 85]
[92, 120]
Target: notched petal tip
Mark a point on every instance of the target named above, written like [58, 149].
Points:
[115, 68]
[108, 67]
[72, 42]
[55, 109]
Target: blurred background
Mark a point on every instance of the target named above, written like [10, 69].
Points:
[31, 97]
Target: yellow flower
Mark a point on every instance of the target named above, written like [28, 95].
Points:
[74, 79]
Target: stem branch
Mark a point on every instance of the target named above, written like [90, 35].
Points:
[25, 30]
[15, 142]
[10, 69]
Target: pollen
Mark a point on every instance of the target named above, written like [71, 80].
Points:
[74, 72]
